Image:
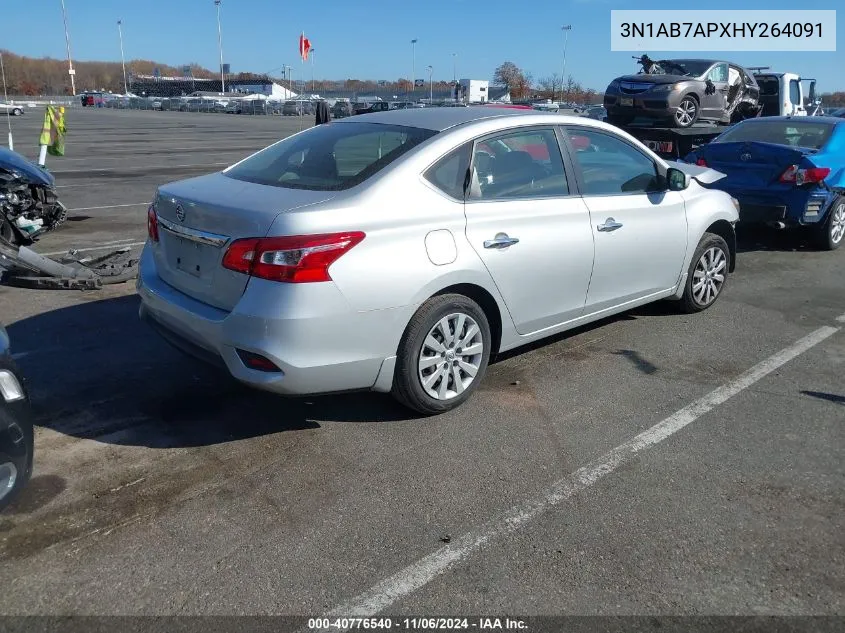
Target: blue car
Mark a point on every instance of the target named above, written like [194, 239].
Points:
[785, 172]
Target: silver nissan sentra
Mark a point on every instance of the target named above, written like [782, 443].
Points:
[399, 251]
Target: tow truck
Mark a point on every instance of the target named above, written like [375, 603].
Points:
[781, 94]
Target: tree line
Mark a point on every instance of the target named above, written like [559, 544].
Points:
[47, 76]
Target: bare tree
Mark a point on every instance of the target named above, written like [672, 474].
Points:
[512, 76]
[550, 86]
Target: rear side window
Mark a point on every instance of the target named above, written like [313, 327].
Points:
[793, 133]
[449, 173]
[329, 157]
[768, 86]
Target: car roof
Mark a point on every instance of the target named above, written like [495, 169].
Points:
[439, 119]
[799, 119]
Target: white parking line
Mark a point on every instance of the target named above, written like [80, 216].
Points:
[426, 569]
[101, 247]
[58, 173]
[112, 206]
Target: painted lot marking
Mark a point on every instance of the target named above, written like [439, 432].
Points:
[58, 173]
[111, 206]
[423, 571]
[841, 318]
[101, 247]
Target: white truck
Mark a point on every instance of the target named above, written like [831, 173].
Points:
[783, 94]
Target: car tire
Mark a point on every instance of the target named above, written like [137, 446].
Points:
[687, 112]
[17, 112]
[831, 234]
[16, 449]
[428, 351]
[707, 274]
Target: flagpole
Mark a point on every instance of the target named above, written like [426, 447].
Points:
[6, 100]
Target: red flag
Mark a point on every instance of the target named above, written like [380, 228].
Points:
[304, 47]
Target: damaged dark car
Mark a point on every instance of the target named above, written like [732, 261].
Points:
[682, 92]
[29, 205]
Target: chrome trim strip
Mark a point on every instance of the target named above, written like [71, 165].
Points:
[194, 235]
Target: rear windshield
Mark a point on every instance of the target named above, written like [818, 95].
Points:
[791, 133]
[329, 157]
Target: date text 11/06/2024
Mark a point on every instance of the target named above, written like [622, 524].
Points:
[416, 624]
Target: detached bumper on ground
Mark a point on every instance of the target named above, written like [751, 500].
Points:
[329, 350]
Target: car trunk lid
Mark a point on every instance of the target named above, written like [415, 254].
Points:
[199, 218]
[752, 163]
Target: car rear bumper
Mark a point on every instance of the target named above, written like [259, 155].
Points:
[308, 331]
[794, 207]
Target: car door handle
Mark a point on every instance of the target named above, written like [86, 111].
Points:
[609, 225]
[502, 240]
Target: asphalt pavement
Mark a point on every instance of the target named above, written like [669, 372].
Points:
[652, 463]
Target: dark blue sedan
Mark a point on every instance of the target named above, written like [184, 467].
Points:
[785, 172]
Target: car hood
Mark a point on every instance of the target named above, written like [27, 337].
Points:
[10, 160]
[655, 79]
[704, 175]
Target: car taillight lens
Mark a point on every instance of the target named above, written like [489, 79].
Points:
[292, 259]
[794, 174]
[701, 162]
[152, 223]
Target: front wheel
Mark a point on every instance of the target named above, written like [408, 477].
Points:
[831, 233]
[17, 112]
[443, 354]
[687, 112]
[708, 273]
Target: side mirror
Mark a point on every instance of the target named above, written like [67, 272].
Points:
[676, 179]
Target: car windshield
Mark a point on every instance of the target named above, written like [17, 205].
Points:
[811, 135]
[685, 67]
[329, 157]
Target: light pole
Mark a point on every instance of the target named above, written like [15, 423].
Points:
[413, 65]
[566, 28]
[122, 58]
[70, 70]
[454, 68]
[430, 85]
[220, 46]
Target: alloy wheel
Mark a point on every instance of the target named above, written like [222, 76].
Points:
[709, 276]
[451, 356]
[837, 223]
[685, 113]
[8, 477]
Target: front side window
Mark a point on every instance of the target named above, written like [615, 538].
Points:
[329, 157]
[523, 164]
[794, 92]
[610, 165]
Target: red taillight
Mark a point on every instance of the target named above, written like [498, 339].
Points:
[152, 223]
[701, 162]
[292, 259]
[257, 361]
[797, 176]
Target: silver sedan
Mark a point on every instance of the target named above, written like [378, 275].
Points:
[399, 251]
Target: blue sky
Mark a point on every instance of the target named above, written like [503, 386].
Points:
[371, 38]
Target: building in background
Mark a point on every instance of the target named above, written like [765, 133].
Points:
[475, 90]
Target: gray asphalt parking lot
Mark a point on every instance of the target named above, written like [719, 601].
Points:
[654, 463]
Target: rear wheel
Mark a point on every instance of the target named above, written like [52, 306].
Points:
[443, 355]
[831, 234]
[16, 444]
[708, 273]
[686, 113]
[17, 112]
